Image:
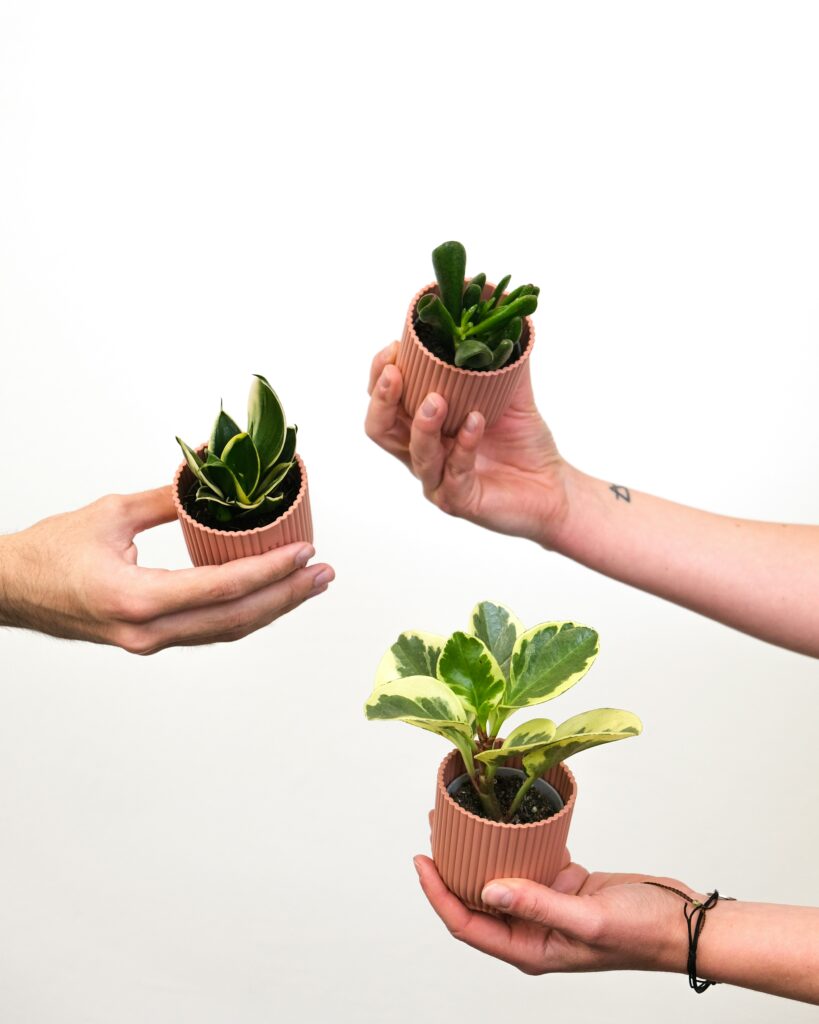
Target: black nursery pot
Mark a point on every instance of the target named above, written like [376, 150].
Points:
[547, 793]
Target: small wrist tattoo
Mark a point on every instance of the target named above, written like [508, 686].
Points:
[620, 493]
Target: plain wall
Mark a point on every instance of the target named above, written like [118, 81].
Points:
[193, 192]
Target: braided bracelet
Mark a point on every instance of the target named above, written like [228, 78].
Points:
[695, 920]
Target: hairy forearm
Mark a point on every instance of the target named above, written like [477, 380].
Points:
[761, 578]
[9, 612]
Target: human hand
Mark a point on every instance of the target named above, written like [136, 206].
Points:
[76, 576]
[508, 477]
[582, 922]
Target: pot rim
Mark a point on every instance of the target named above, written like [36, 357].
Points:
[182, 514]
[568, 804]
[459, 370]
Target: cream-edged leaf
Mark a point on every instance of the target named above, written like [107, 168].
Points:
[418, 700]
[582, 732]
[547, 661]
[499, 629]
[521, 740]
[412, 654]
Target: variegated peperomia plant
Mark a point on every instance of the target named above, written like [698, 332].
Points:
[465, 688]
[476, 333]
[244, 470]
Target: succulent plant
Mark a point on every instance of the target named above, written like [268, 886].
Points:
[465, 687]
[477, 333]
[244, 470]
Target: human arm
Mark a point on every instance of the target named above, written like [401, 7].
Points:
[75, 575]
[761, 578]
[608, 922]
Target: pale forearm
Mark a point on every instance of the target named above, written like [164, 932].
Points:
[762, 946]
[761, 578]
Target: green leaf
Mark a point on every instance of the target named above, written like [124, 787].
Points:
[225, 480]
[273, 479]
[242, 458]
[582, 732]
[224, 428]
[470, 670]
[523, 306]
[208, 494]
[499, 629]
[449, 261]
[420, 701]
[502, 353]
[514, 329]
[266, 422]
[288, 452]
[197, 467]
[547, 661]
[473, 352]
[501, 287]
[521, 740]
[412, 654]
[432, 311]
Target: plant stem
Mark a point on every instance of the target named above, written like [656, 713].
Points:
[526, 785]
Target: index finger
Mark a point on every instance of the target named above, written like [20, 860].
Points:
[155, 592]
[384, 358]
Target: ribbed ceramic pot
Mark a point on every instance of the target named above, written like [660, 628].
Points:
[487, 391]
[470, 851]
[208, 546]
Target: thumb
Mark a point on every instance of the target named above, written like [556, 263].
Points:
[578, 917]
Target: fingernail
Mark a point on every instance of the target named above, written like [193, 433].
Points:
[384, 381]
[303, 556]
[416, 865]
[495, 895]
[471, 424]
[429, 408]
[323, 577]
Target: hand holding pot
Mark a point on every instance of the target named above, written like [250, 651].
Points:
[508, 477]
[75, 576]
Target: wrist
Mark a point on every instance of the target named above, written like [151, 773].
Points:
[557, 520]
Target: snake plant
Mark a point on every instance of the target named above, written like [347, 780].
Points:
[466, 686]
[476, 333]
[244, 470]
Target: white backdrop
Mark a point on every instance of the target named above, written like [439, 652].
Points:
[192, 192]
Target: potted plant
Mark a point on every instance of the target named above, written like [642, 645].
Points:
[465, 340]
[245, 491]
[502, 806]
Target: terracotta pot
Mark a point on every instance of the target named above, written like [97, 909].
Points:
[487, 391]
[470, 851]
[208, 546]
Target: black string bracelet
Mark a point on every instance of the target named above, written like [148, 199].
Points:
[695, 921]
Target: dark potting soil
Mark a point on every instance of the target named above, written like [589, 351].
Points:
[535, 807]
[439, 345]
[201, 513]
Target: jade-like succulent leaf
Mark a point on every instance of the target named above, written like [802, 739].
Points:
[469, 669]
[449, 262]
[421, 701]
[522, 306]
[499, 629]
[521, 740]
[547, 661]
[500, 288]
[473, 352]
[432, 311]
[412, 654]
[265, 422]
[502, 353]
[224, 428]
[241, 457]
[225, 479]
[590, 729]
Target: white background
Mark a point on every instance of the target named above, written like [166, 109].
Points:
[192, 192]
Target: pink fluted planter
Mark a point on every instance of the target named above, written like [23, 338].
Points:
[487, 391]
[207, 546]
[470, 851]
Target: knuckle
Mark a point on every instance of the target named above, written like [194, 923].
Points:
[113, 505]
[135, 640]
[224, 587]
[594, 927]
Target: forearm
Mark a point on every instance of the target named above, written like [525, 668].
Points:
[762, 946]
[761, 578]
[9, 611]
